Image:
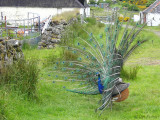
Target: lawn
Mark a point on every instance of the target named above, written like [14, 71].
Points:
[55, 103]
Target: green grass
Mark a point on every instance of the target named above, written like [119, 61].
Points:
[55, 103]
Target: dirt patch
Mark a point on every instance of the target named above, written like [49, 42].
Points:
[144, 61]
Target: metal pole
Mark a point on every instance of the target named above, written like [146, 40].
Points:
[28, 22]
[5, 23]
[39, 26]
[24, 28]
[16, 28]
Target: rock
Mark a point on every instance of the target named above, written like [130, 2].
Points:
[52, 34]
[13, 43]
[59, 27]
[1, 39]
[56, 22]
[50, 47]
[10, 50]
[49, 39]
[63, 22]
[49, 29]
[55, 41]
[59, 37]
[40, 43]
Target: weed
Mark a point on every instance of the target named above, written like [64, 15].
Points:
[91, 21]
[101, 25]
[131, 74]
[21, 76]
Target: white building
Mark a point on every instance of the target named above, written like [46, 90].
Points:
[151, 15]
[18, 9]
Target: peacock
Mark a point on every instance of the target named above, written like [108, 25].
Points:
[96, 63]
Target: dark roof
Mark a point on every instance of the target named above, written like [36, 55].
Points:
[44, 3]
[153, 8]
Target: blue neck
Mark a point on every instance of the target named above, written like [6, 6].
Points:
[100, 86]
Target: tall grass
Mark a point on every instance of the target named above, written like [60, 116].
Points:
[21, 76]
[66, 15]
[130, 74]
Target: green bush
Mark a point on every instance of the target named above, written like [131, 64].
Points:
[100, 25]
[91, 21]
[92, 2]
[133, 8]
[125, 4]
[21, 76]
[131, 74]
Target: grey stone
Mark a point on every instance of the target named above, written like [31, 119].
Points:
[40, 43]
[49, 29]
[1, 39]
[59, 37]
[13, 43]
[50, 47]
[63, 22]
[49, 39]
[55, 41]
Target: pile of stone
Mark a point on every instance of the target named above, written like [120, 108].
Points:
[53, 33]
[10, 50]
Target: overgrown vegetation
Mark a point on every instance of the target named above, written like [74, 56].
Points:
[21, 76]
[66, 15]
[130, 74]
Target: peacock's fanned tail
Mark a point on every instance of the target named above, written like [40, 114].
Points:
[92, 57]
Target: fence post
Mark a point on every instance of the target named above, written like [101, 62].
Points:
[1, 15]
[24, 28]
[39, 24]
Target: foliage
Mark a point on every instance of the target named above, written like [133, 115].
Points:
[141, 2]
[101, 25]
[141, 7]
[92, 2]
[91, 20]
[125, 4]
[149, 3]
[66, 15]
[2, 107]
[21, 76]
[121, 19]
[131, 74]
[106, 1]
[133, 8]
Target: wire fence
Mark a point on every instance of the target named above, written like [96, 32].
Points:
[20, 29]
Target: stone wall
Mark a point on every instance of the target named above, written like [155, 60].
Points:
[10, 50]
[53, 33]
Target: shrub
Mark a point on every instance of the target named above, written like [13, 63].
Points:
[100, 25]
[92, 2]
[141, 7]
[90, 20]
[21, 76]
[133, 8]
[131, 74]
[125, 19]
[125, 4]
